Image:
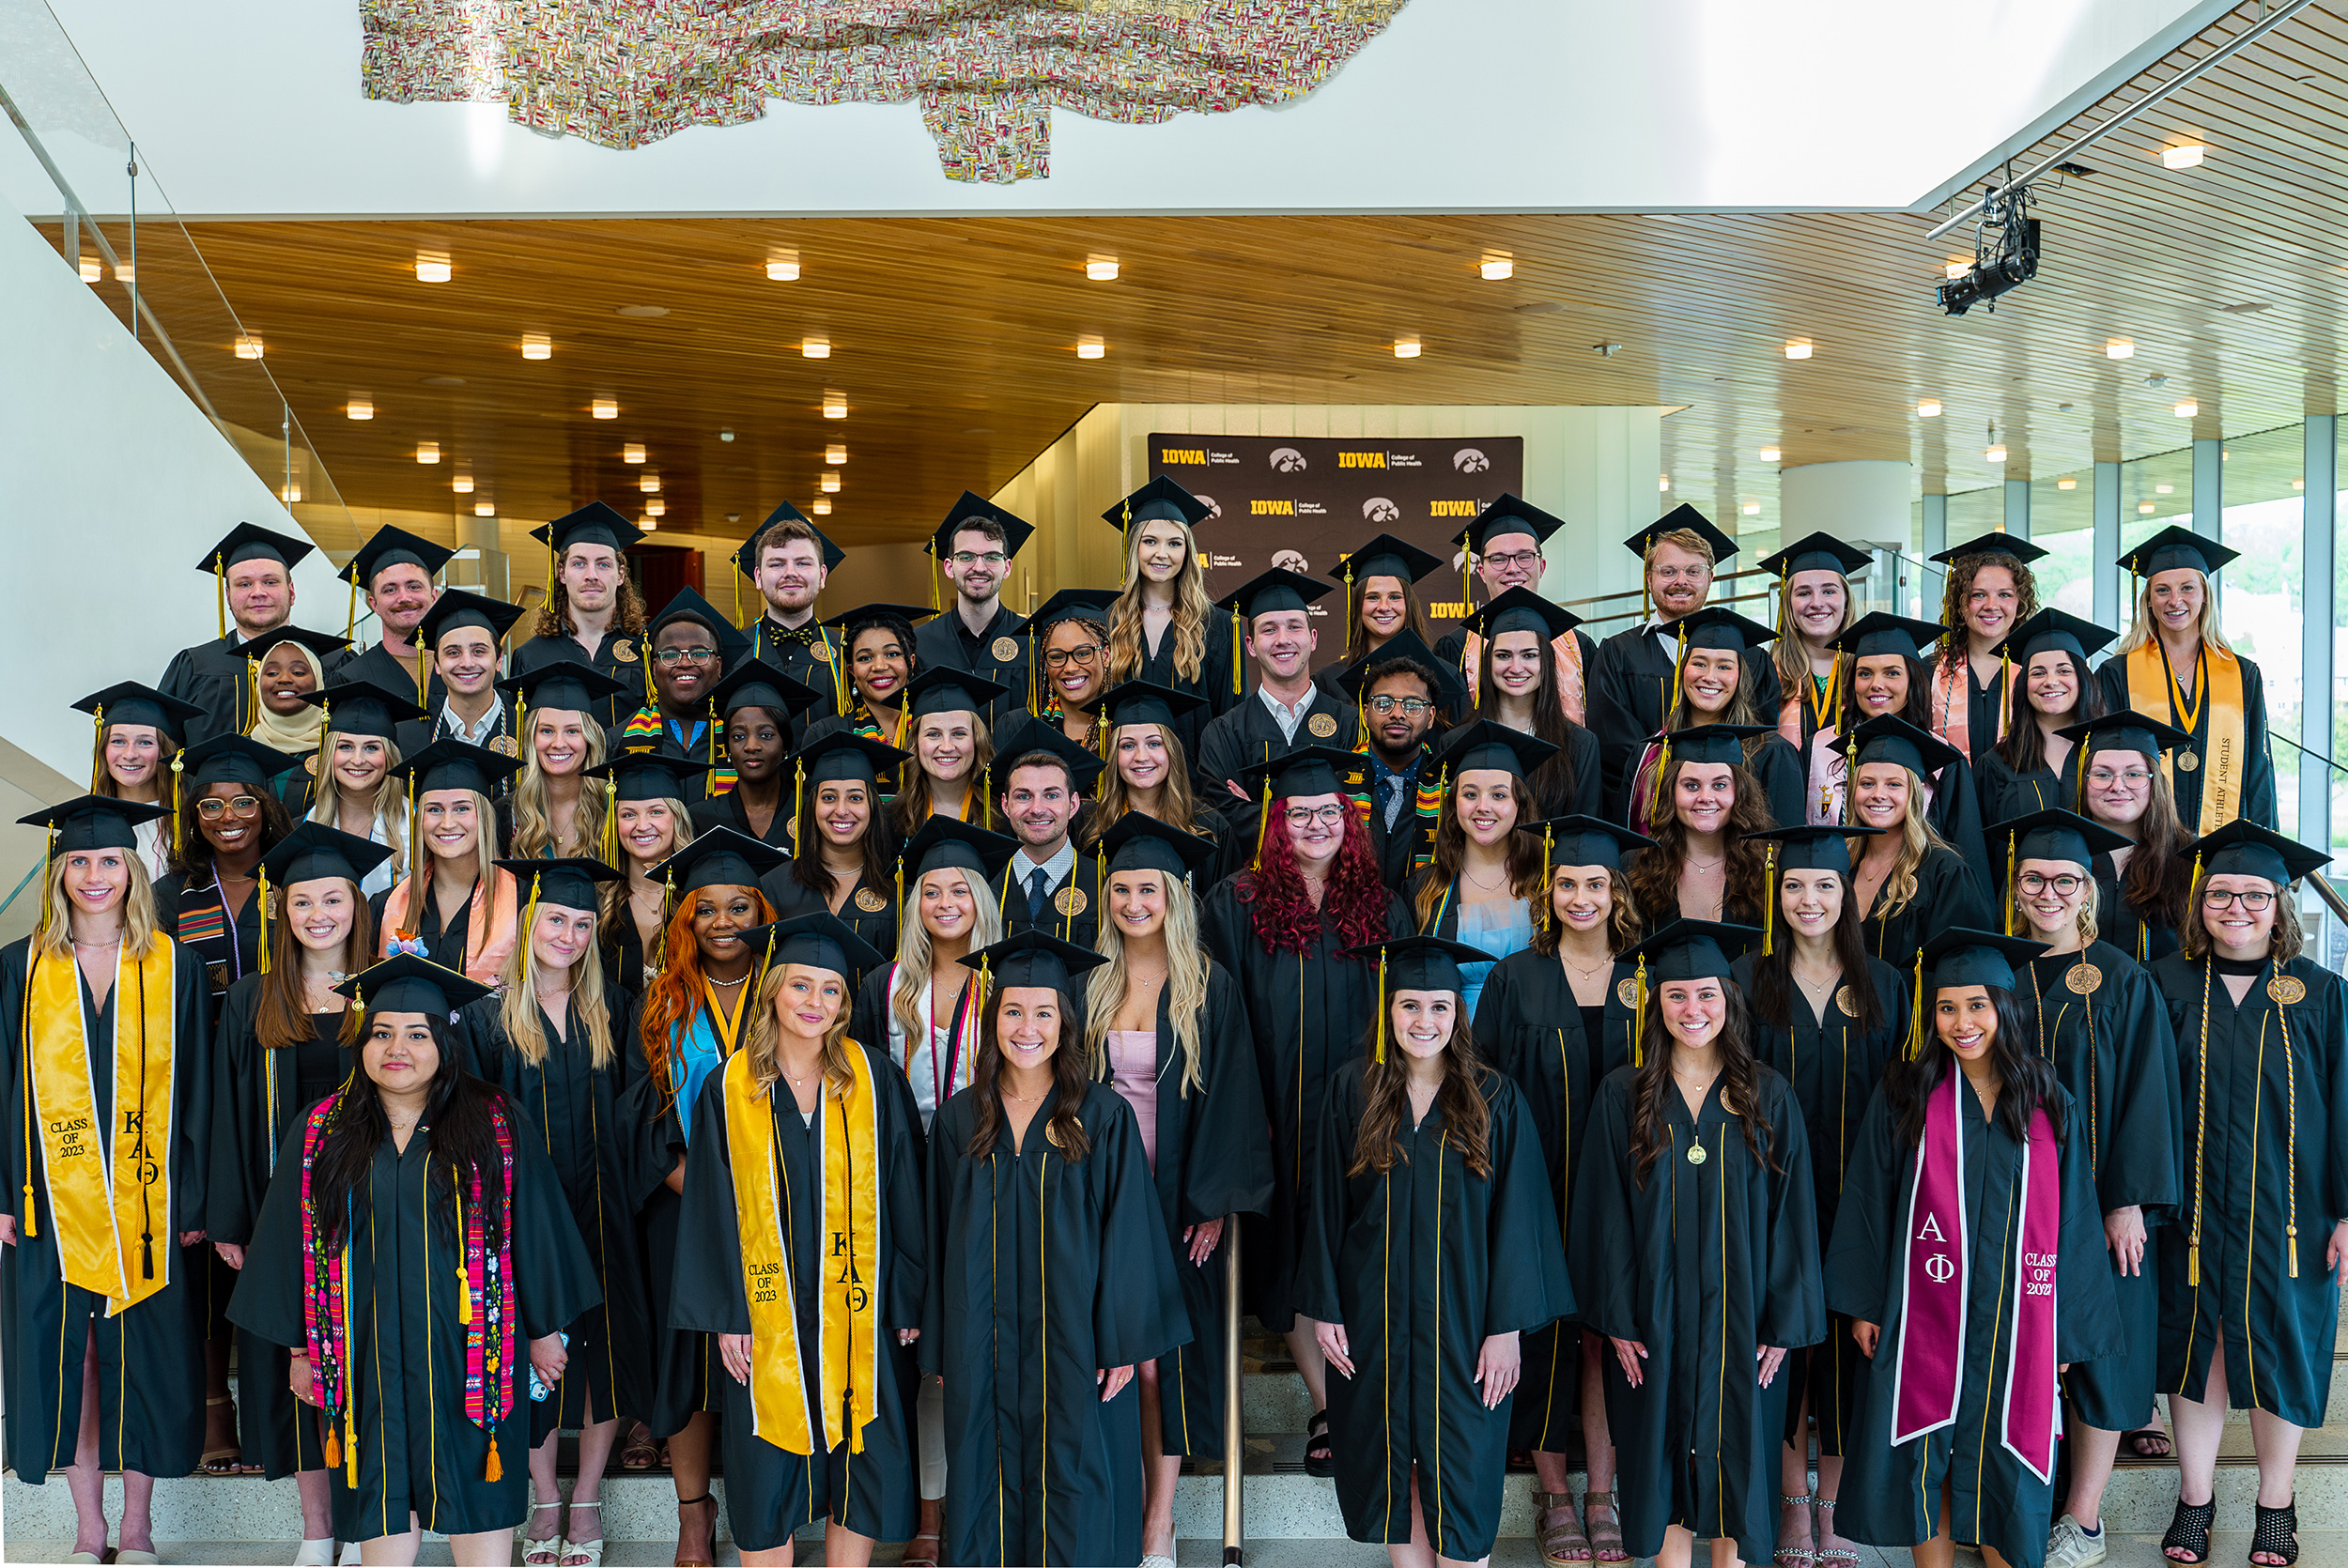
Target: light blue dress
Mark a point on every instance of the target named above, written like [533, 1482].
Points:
[1500, 928]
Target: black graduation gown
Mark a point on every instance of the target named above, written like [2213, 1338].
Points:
[1422, 1264]
[1891, 1495]
[1833, 1066]
[150, 1360]
[2257, 773]
[1309, 1013]
[726, 811]
[1982, 705]
[1630, 691]
[2005, 794]
[1394, 848]
[573, 1111]
[1042, 1272]
[416, 1449]
[770, 1491]
[869, 911]
[1212, 1161]
[2111, 1047]
[2278, 1331]
[1451, 648]
[618, 655]
[1702, 1277]
[795, 653]
[1215, 682]
[997, 653]
[1071, 907]
[258, 1096]
[499, 737]
[1246, 735]
[192, 910]
[1947, 894]
[1529, 1026]
[380, 667]
[683, 1367]
[217, 677]
[443, 945]
[1954, 813]
[2143, 936]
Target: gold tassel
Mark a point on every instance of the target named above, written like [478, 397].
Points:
[1916, 1012]
[2193, 1263]
[2291, 1248]
[1382, 1005]
[2005, 689]
[493, 1471]
[1352, 610]
[1238, 660]
[98, 752]
[350, 610]
[1638, 1015]
[2013, 890]
[1263, 822]
[263, 871]
[1663, 767]
[1549, 898]
[220, 576]
[1769, 906]
[1467, 554]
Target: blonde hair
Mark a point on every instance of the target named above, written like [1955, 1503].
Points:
[53, 936]
[915, 958]
[1185, 983]
[1917, 839]
[2090, 909]
[533, 828]
[484, 842]
[1128, 650]
[1791, 656]
[913, 806]
[518, 1001]
[2141, 630]
[764, 1044]
[1685, 538]
[390, 804]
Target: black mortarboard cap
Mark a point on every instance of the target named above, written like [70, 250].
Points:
[689, 605]
[1715, 627]
[1070, 604]
[455, 608]
[1031, 734]
[746, 558]
[1390, 557]
[848, 620]
[638, 775]
[721, 857]
[1889, 738]
[1140, 842]
[129, 703]
[1996, 542]
[451, 764]
[1817, 552]
[1679, 518]
[1147, 702]
[756, 684]
[1312, 770]
[819, 940]
[394, 546]
[564, 683]
[361, 707]
[1877, 632]
[2055, 834]
[974, 508]
[1521, 609]
[2242, 848]
[568, 881]
[1511, 513]
[1035, 957]
[249, 542]
[1812, 849]
[592, 524]
[233, 759]
[2052, 629]
[1580, 840]
[1443, 678]
[1159, 500]
[1720, 743]
[1420, 962]
[1962, 955]
[843, 754]
[1269, 592]
[314, 852]
[2175, 548]
[943, 689]
[95, 823]
[946, 841]
[2127, 730]
[1488, 746]
[406, 983]
[1692, 950]
[318, 643]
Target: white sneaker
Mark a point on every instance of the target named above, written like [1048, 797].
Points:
[2070, 1545]
[317, 1552]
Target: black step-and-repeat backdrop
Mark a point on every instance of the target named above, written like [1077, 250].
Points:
[1307, 502]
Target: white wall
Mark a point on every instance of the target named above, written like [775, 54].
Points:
[1460, 105]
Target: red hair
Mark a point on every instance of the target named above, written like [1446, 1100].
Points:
[676, 992]
[1356, 898]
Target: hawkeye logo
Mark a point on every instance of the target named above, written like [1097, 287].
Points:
[1378, 509]
[1214, 507]
[1361, 459]
[1196, 455]
[1272, 508]
[1469, 459]
[1286, 459]
[1451, 509]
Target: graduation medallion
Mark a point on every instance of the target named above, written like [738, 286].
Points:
[1005, 648]
[1843, 1000]
[2287, 989]
[2084, 979]
[2189, 762]
[871, 901]
[502, 744]
[1696, 1155]
[1321, 725]
[623, 651]
[1627, 993]
[1069, 901]
[310, 764]
[821, 651]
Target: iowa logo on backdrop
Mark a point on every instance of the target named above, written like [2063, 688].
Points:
[1469, 459]
[1378, 509]
[1286, 459]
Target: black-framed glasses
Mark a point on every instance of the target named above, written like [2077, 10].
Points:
[2254, 901]
[212, 808]
[1061, 658]
[2062, 883]
[698, 655]
[966, 559]
[1306, 816]
[1521, 558]
[2103, 779]
[1410, 706]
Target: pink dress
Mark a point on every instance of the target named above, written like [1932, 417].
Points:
[1134, 1074]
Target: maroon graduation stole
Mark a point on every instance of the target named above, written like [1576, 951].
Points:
[1927, 1370]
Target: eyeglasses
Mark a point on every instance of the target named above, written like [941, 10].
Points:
[212, 808]
[2103, 779]
[1412, 706]
[698, 655]
[1521, 558]
[1326, 816]
[965, 559]
[2063, 884]
[2255, 903]
[1060, 658]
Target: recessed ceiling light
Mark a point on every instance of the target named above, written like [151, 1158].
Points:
[428, 452]
[642, 312]
[835, 405]
[605, 407]
[2118, 348]
[2163, 489]
[1769, 454]
[1090, 349]
[289, 494]
[1750, 509]
[1497, 268]
[1664, 484]
[1406, 348]
[782, 266]
[821, 507]
[725, 434]
[1798, 349]
[1928, 409]
[432, 266]
[126, 272]
[632, 452]
[2187, 408]
[485, 509]
[1995, 454]
[537, 345]
[359, 407]
[2298, 483]
[828, 482]
[656, 508]
[93, 270]
[835, 454]
[816, 349]
[2186, 156]
[461, 483]
[2143, 509]
[649, 483]
[1100, 269]
[2066, 484]
[250, 348]
[649, 523]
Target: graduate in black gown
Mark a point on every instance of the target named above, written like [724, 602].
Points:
[555, 809]
[1148, 771]
[562, 1042]
[2175, 666]
[1550, 1018]
[1986, 591]
[647, 821]
[2094, 1011]
[2249, 1292]
[104, 1368]
[761, 705]
[2034, 765]
[1164, 1027]
[1720, 653]
[1702, 1291]
[1037, 790]
[1910, 882]
[1433, 1249]
[136, 734]
[1282, 931]
[1519, 686]
[881, 658]
[594, 610]
[280, 1049]
[1194, 651]
[1704, 863]
[788, 559]
[1049, 1280]
[415, 1253]
[1272, 611]
[456, 903]
[1815, 603]
[1828, 1019]
[395, 600]
[846, 856]
[2142, 886]
[1969, 1251]
[217, 676]
[805, 1238]
[1503, 544]
[1890, 677]
[977, 635]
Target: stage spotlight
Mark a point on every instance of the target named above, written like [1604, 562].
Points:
[2005, 254]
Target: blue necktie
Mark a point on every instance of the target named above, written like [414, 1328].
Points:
[1037, 884]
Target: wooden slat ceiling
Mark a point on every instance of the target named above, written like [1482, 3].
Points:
[953, 340]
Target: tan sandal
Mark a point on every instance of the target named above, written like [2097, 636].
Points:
[1605, 1536]
[1558, 1529]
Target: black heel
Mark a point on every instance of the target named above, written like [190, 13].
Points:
[2189, 1529]
[2277, 1533]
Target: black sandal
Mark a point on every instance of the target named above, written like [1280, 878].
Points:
[1320, 1456]
[2276, 1533]
[2189, 1529]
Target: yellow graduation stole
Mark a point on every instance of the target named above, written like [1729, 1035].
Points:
[2151, 691]
[847, 1351]
[113, 1231]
